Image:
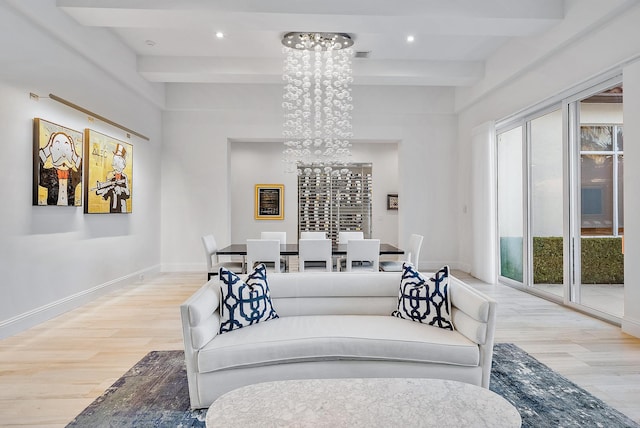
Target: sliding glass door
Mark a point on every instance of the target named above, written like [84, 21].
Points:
[599, 282]
[560, 201]
[546, 199]
[530, 203]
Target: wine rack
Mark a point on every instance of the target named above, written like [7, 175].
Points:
[334, 202]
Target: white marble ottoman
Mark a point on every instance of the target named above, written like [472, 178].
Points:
[362, 403]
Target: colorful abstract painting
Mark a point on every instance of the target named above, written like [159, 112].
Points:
[109, 175]
[57, 164]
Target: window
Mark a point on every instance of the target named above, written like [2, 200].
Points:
[601, 159]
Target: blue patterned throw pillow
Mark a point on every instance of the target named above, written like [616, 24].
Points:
[244, 303]
[425, 300]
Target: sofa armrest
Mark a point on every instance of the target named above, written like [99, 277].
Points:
[200, 324]
[199, 314]
[474, 316]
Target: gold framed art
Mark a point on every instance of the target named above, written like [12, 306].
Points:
[269, 202]
[109, 175]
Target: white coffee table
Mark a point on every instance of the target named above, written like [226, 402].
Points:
[362, 403]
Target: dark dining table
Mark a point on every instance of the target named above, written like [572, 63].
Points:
[292, 250]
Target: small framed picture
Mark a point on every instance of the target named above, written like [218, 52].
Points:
[269, 202]
[392, 201]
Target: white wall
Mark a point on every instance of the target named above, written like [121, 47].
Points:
[594, 113]
[55, 258]
[197, 167]
[484, 194]
[261, 162]
[612, 46]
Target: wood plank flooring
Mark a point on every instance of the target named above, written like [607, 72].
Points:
[51, 372]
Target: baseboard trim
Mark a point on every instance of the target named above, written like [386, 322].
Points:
[26, 320]
[631, 327]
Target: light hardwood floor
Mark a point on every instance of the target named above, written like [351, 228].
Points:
[51, 372]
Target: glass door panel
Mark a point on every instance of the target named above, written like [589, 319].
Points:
[599, 281]
[546, 176]
[510, 204]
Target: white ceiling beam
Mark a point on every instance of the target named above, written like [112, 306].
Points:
[427, 25]
[252, 70]
[550, 9]
[507, 20]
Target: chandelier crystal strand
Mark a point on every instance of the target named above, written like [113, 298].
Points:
[317, 101]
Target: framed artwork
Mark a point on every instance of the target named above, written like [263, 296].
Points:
[109, 174]
[269, 202]
[57, 164]
[392, 201]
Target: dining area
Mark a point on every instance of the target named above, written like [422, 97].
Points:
[313, 251]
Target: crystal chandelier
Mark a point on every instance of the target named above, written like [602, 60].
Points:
[317, 100]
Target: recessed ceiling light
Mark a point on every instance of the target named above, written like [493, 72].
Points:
[220, 34]
[410, 39]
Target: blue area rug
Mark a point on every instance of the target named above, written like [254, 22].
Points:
[544, 398]
[154, 393]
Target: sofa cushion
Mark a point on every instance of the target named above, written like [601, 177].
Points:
[336, 337]
[423, 300]
[244, 303]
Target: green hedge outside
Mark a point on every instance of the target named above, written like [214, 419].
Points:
[547, 260]
[602, 260]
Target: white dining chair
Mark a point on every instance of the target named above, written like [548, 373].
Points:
[363, 254]
[213, 260]
[313, 235]
[280, 236]
[412, 256]
[314, 254]
[344, 236]
[265, 251]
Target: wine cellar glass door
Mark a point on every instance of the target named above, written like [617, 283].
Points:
[339, 201]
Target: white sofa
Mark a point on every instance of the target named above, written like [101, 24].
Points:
[334, 325]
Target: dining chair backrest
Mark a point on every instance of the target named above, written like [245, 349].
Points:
[210, 248]
[213, 261]
[314, 250]
[344, 237]
[313, 235]
[415, 244]
[280, 236]
[263, 251]
[365, 252]
[412, 255]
